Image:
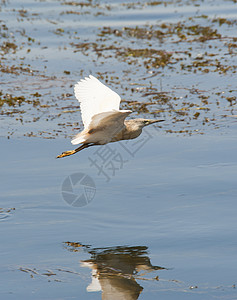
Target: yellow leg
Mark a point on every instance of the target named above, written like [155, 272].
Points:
[71, 152]
[66, 153]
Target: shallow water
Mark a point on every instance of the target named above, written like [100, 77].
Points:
[151, 218]
[175, 60]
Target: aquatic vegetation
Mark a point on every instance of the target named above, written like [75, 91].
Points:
[181, 70]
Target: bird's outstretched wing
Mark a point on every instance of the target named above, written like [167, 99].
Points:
[103, 128]
[94, 98]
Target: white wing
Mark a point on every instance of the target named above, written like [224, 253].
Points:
[95, 98]
[103, 128]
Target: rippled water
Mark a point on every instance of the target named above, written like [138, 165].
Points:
[173, 205]
[161, 219]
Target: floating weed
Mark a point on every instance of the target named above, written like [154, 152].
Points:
[132, 60]
[11, 100]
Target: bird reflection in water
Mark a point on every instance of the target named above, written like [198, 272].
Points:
[116, 269]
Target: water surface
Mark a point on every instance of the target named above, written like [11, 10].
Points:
[161, 218]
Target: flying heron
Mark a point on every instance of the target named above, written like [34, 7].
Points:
[103, 121]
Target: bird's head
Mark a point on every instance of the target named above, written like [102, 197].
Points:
[144, 122]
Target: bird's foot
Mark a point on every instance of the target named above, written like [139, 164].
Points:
[70, 152]
[66, 153]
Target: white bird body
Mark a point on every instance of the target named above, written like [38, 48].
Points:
[94, 98]
[100, 112]
[102, 128]
[102, 119]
